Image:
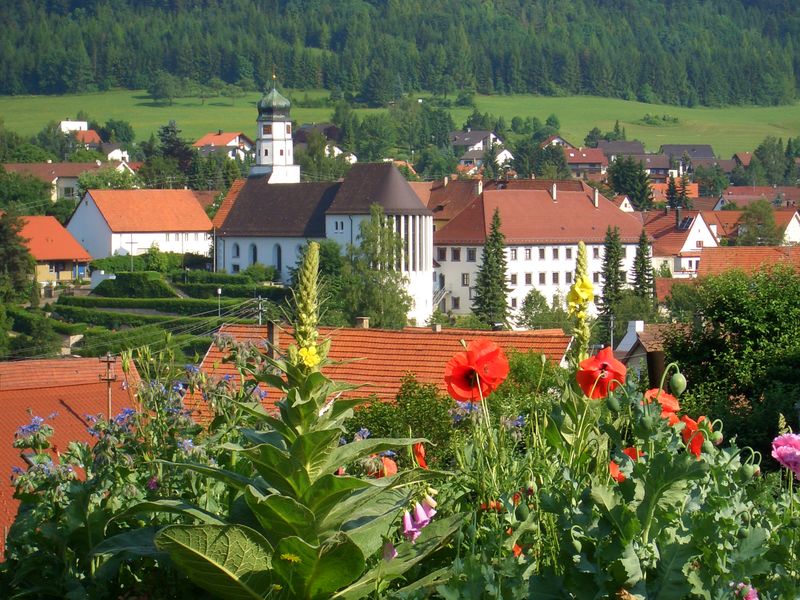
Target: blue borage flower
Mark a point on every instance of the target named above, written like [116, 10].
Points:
[388, 453]
[362, 434]
[31, 428]
[192, 369]
[186, 445]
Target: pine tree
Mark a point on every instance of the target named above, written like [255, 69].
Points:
[643, 269]
[16, 263]
[683, 192]
[490, 304]
[613, 278]
[672, 193]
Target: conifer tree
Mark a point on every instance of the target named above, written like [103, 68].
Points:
[613, 277]
[683, 192]
[16, 262]
[490, 304]
[643, 269]
[672, 193]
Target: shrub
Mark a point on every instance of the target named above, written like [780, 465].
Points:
[250, 290]
[146, 284]
[181, 306]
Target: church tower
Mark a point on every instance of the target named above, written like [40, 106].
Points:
[274, 148]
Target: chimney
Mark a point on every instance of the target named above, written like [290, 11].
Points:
[273, 339]
[362, 322]
[554, 192]
[219, 132]
[677, 216]
[596, 198]
[436, 327]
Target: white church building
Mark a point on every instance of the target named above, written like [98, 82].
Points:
[268, 217]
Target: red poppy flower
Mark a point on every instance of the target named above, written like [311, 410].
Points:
[600, 374]
[419, 454]
[693, 437]
[385, 468]
[669, 403]
[517, 549]
[613, 468]
[476, 373]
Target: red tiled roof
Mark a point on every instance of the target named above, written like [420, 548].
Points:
[743, 158]
[727, 221]
[714, 261]
[446, 201]
[48, 172]
[664, 286]
[582, 156]
[704, 203]
[47, 239]
[652, 337]
[151, 210]
[378, 358]
[741, 194]
[532, 216]
[69, 389]
[660, 190]
[206, 197]
[667, 238]
[89, 136]
[222, 138]
[227, 202]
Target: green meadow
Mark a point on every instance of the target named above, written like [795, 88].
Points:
[728, 130]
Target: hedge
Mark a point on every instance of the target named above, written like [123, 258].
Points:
[142, 284]
[181, 306]
[118, 264]
[115, 320]
[183, 277]
[22, 319]
[97, 343]
[252, 290]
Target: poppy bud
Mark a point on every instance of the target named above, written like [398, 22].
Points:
[748, 471]
[677, 384]
[613, 403]
[522, 511]
[716, 437]
[708, 447]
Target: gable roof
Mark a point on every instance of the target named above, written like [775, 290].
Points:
[726, 165]
[530, 216]
[620, 147]
[447, 200]
[692, 150]
[49, 172]
[88, 136]
[221, 138]
[652, 161]
[47, 239]
[668, 238]
[556, 140]
[749, 259]
[743, 195]
[138, 211]
[378, 359]
[68, 389]
[227, 203]
[743, 158]
[704, 202]
[469, 138]
[258, 208]
[369, 183]
[582, 156]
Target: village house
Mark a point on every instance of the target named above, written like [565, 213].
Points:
[542, 222]
[657, 167]
[620, 148]
[556, 140]
[679, 236]
[63, 176]
[471, 145]
[235, 145]
[109, 222]
[62, 391]
[687, 153]
[271, 215]
[58, 255]
[741, 196]
[586, 163]
[376, 360]
[727, 225]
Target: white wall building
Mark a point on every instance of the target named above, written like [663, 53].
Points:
[542, 230]
[679, 237]
[109, 222]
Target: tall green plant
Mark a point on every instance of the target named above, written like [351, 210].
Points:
[296, 529]
[490, 304]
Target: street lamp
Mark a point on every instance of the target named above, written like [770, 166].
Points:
[219, 302]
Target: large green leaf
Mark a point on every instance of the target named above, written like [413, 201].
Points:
[310, 571]
[366, 526]
[346, 453]
[671, 582]
[274, 438]
[328, 490]
[281, 516]
[170, 506]
[408, 554]
[279, 469]
[236, 481]
[231, 561]
[312, 449]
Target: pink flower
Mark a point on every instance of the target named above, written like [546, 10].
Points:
[410, 531]
[152, 483]
[421, 518]
[786, 450]
[428, 505]
[389, 551]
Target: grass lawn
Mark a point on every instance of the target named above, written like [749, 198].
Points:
[728, 130]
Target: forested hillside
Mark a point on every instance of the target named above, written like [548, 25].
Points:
[675, 51]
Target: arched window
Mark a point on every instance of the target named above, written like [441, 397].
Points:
[276, 257]
[253, 254]
[235, 251]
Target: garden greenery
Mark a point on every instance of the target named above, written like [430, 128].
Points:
[572, 485]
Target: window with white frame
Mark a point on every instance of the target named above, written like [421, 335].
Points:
[513, 253]
[465, 279]
[527, 253]
[471, 254]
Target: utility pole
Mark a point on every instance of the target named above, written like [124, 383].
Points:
[219, 302]
[110, 376]
[612, 332]
[260, 309]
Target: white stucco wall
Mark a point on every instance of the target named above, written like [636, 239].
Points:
[266, 253]
[538, 269]
[792, 233]
[195, 242]
[89, 227]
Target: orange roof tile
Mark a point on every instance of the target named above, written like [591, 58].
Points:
[704, 202]
[662, 228]
[660, 190]
[727, 221]
[228, 202]
[89, 136]
[531, 216]
[206, 197]
[581, 156]
[221, 138]
[378, 358]
[67, 389]
[47, 239]
[714, 261]
[151, 210]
